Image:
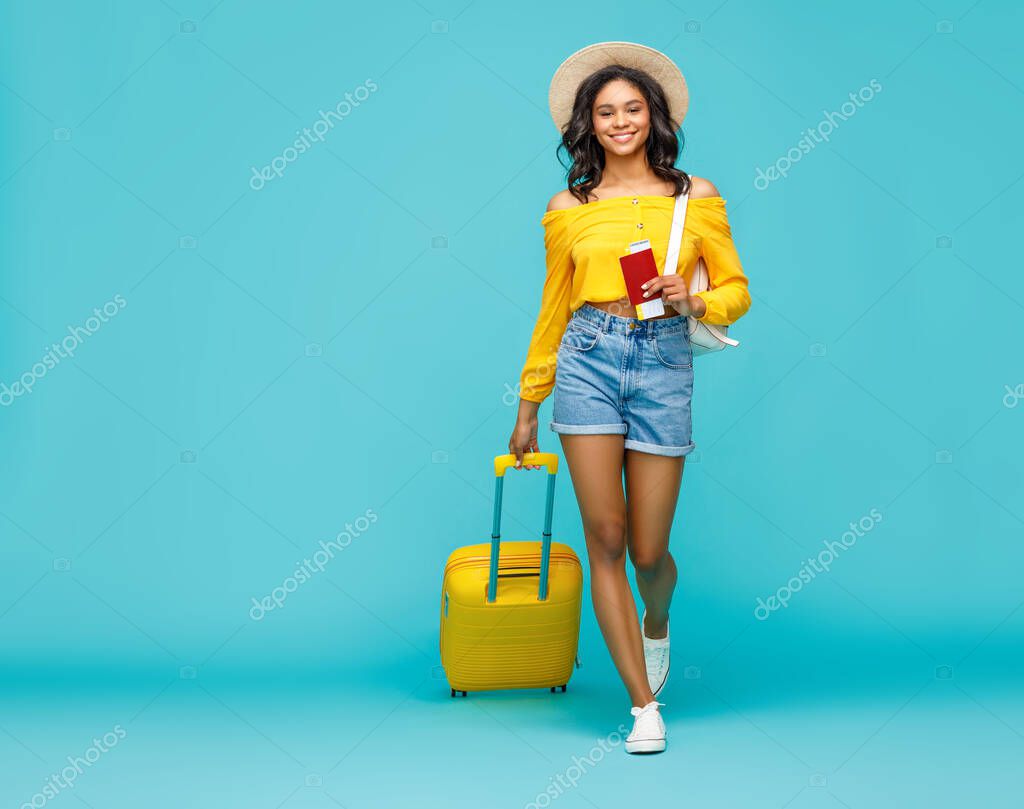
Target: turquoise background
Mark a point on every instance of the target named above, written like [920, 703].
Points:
[348, 339]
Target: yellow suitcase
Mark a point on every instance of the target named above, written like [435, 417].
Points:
[510, 611]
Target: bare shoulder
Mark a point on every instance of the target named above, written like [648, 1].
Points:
[562, 200]
[701, 188]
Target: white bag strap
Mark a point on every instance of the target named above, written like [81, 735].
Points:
[675, 238]
[700, 275]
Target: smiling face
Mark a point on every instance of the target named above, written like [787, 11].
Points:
[621, 117]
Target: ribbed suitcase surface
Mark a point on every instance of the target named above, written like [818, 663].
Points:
[526, 635]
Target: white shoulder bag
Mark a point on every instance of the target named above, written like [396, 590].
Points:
[704, 337]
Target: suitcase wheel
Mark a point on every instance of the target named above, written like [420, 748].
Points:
[460, 692]
[563, 687]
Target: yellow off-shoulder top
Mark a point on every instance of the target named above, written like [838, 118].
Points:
[583, 245]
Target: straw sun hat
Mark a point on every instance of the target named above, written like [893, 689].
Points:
[586, 60]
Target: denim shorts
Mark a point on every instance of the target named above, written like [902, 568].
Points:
[625, 376]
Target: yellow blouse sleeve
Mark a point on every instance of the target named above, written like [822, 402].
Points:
[538, 375]
[728, 299]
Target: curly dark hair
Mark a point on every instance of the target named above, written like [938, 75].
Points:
[587, 155]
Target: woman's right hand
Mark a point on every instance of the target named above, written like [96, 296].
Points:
[524, 434]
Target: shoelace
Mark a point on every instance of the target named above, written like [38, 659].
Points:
[647, 724]
[658, 652]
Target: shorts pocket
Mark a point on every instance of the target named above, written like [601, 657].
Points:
[579, 337]
[672, 349]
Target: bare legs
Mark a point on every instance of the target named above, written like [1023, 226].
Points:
[652, 486]
[611, 526]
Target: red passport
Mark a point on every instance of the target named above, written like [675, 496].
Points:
[637, 269]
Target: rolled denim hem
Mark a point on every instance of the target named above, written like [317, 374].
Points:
[656, 449]
[588, 429]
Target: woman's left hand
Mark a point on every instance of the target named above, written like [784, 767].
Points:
[675, 292]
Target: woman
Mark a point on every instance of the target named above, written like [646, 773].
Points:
[622, 385]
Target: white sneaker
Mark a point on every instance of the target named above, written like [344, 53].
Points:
[648, 734]
[656, 658]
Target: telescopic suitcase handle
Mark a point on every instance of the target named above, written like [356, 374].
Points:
[501, 463]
